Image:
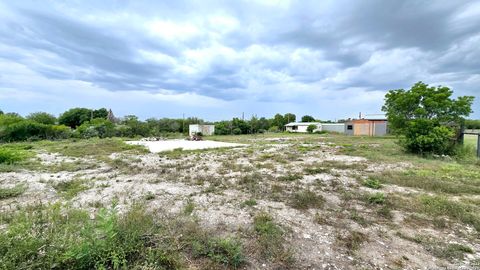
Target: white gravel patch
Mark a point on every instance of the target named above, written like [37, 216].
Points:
[168, 145]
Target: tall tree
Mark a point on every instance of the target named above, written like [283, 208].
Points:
[308, 118]
[288, 118]
[75, 117]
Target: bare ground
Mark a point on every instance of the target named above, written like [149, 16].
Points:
[218, 183]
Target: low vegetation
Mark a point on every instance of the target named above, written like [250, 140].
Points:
[69, 239]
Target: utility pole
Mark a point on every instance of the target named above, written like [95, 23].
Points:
[183, 122]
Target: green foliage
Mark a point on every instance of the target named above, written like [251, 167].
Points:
[30, 130]
[270, 239]
[226, 251]
[308, 118]
[426, 116]
[98, 127]
[75, 117]
[372, 183]
[61, 237]
[42, 118]
[472, 124]
[8, 119]
[424, 136]
[376, 198]
[15, 191]
[10, 156]
[441, 206]
[70, 189]
[100, 113]
[311, 128]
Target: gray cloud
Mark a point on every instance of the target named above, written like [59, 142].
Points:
[246, 49]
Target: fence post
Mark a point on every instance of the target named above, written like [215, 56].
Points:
[478, 145]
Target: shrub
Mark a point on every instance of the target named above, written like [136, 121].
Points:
[10, 156]
[306, 199]
[372, 183]
[424, 136]
[98, 127]
[30, 130]
[376, 198]
[311, 128]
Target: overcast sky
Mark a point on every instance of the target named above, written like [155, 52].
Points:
[217, 59]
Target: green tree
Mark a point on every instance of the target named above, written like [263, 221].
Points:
[42, 118]
[75, 117]
[308, 118]
[288, 118]
[100, 113]
[427, 116]
[311, 128]
[278, 121]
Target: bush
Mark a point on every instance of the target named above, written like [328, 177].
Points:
[424, 136]
[31, 130]
[372, 183]
[311, 128]
[8, 156]
[98, 127]
[377, 198]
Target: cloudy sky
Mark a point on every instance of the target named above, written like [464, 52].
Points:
[217, 59]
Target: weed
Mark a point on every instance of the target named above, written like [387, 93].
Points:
[316, 170]
[358, 218]
[372, 183]
[376, 198]
[448, 251]
[249, 202]
[189, 207]
[289, 177]
[441, 206]
[70, 189]
[353, 240]
[149, 196]
[226, 251]
[270, 240]
[306, 199]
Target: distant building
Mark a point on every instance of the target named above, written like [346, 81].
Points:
[301, 127]
[204, 129]
[367, 125]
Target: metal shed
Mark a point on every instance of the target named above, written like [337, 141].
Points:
[373, 125]
[204, 129]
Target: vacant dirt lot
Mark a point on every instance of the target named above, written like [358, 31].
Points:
[337, 202]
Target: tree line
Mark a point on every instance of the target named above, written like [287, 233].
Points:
[87, 123]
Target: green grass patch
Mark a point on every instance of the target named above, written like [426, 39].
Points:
[270, 240]
[70, 189]
[15, 191]
[438, 206]
[372, 183]
[376, 198]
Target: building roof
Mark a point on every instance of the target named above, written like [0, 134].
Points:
[302, 124]
[379, 116]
